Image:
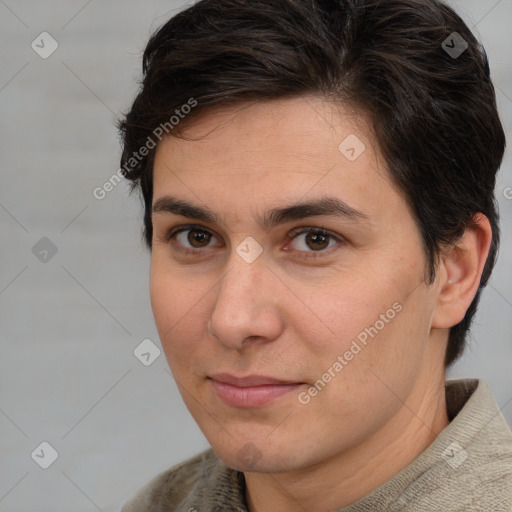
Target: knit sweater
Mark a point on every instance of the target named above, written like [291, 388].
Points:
[467, 468]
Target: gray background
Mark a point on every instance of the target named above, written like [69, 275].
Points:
[69, 325]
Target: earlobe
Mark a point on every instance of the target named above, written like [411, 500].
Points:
[460, 271]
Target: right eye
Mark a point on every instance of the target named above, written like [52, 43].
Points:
[190, 239]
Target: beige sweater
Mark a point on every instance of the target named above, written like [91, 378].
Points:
[468, 468]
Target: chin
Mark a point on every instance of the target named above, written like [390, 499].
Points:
[251, 457]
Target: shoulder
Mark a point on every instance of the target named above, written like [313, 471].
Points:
[469, 466]
[480, 450]
[171, 488]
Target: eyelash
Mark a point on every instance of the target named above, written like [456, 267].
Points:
[290, 236]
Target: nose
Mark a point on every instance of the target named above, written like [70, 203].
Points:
[246, 306]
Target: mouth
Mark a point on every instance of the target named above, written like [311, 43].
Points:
[251, 391]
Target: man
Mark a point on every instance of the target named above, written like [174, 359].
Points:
[318, 184]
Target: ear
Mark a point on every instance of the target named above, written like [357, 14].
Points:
[459, 273]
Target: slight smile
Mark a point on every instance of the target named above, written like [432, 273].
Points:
[251, 391]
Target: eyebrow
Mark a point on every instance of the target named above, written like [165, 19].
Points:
[325, 206]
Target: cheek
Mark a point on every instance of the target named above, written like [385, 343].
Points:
[348, 307]
[374, 330]
[164, 300]
[176, 308]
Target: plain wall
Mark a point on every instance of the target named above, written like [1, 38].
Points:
[69, 325]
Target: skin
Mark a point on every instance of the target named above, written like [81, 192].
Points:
[290, 313]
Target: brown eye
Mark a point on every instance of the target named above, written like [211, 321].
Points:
[190, 238]
[198, 238]
[313, 240]
[317, 241]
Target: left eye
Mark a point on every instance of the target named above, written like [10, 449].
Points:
[313, 239]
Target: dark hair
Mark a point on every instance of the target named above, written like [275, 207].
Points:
[433, 111]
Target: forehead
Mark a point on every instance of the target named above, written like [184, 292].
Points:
[291, 149]
[279, 122]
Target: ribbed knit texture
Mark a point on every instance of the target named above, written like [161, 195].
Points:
[436, 481]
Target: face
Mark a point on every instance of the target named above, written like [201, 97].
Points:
[287, 282]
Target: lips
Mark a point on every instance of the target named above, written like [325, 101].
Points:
[251, 391]
[251, 380]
